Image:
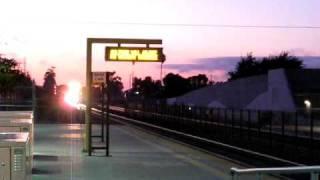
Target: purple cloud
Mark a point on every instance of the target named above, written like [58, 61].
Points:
[228, 64]
[205, 64]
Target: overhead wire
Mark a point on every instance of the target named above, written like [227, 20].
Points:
[210, 25]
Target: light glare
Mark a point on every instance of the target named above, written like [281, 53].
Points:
[72, 96]
[307, 103]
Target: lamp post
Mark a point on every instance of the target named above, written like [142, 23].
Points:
[308, 105]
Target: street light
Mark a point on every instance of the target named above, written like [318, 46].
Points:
[308, 104]
[308, 108]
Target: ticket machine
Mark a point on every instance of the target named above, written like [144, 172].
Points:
[13, 156]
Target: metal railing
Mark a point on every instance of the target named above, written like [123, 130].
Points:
[314, 172]
[294, 136]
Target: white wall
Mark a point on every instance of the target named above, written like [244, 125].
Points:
[264, 92]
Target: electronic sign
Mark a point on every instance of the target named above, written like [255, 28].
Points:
[134, 54]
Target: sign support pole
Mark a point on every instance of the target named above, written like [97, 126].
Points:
[103, 105]
[108, 116]
[88, 98]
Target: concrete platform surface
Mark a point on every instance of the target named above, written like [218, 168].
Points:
[136, 155]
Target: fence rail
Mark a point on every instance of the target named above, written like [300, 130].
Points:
[289, 135]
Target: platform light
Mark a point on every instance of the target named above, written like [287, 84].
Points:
[307, 103]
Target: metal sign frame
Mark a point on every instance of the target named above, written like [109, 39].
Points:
[88, 113]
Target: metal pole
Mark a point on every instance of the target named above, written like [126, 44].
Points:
[225, 123]
[103, 112]
[270, 132]
[312, 135]
[259, 176]
[282, 132]
[161, 69]
[241, 116]
[314, 176]
[234, 176]
[34, 102]
[232, 122]
[87, 147]
[282, 124]
[296, 125]
[259, 123]
[108, 118]
[249, 125]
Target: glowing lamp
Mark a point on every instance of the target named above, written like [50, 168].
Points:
[307, 103]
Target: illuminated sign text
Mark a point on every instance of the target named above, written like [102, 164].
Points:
[134, 54]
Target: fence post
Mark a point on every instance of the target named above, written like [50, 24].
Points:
[282, 132]
[234, 176]
[312, 135]
[211, 120]
[259, 123]
[241, 114]
[296, 125]
[270, 131]
[225, 122]
[282, 124]
[249, 125]
[259, 176]
[181, 117]
[314, 176]
[218, 117]
[34, 103]
[232, 122]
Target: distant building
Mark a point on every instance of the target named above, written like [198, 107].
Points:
[279, 90]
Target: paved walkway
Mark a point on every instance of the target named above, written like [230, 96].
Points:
[135, 156]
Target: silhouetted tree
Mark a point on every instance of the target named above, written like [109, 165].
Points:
[246, 67]
[11, 77]
[116, 87]
[199, 81]
[50, 84]
[250, 66]
[48, 100]
[284, 60]
[146, 88]
[175, 85]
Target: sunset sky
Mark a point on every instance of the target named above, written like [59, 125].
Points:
[53, 33]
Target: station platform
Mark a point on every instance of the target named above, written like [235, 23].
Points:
[135, 155]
